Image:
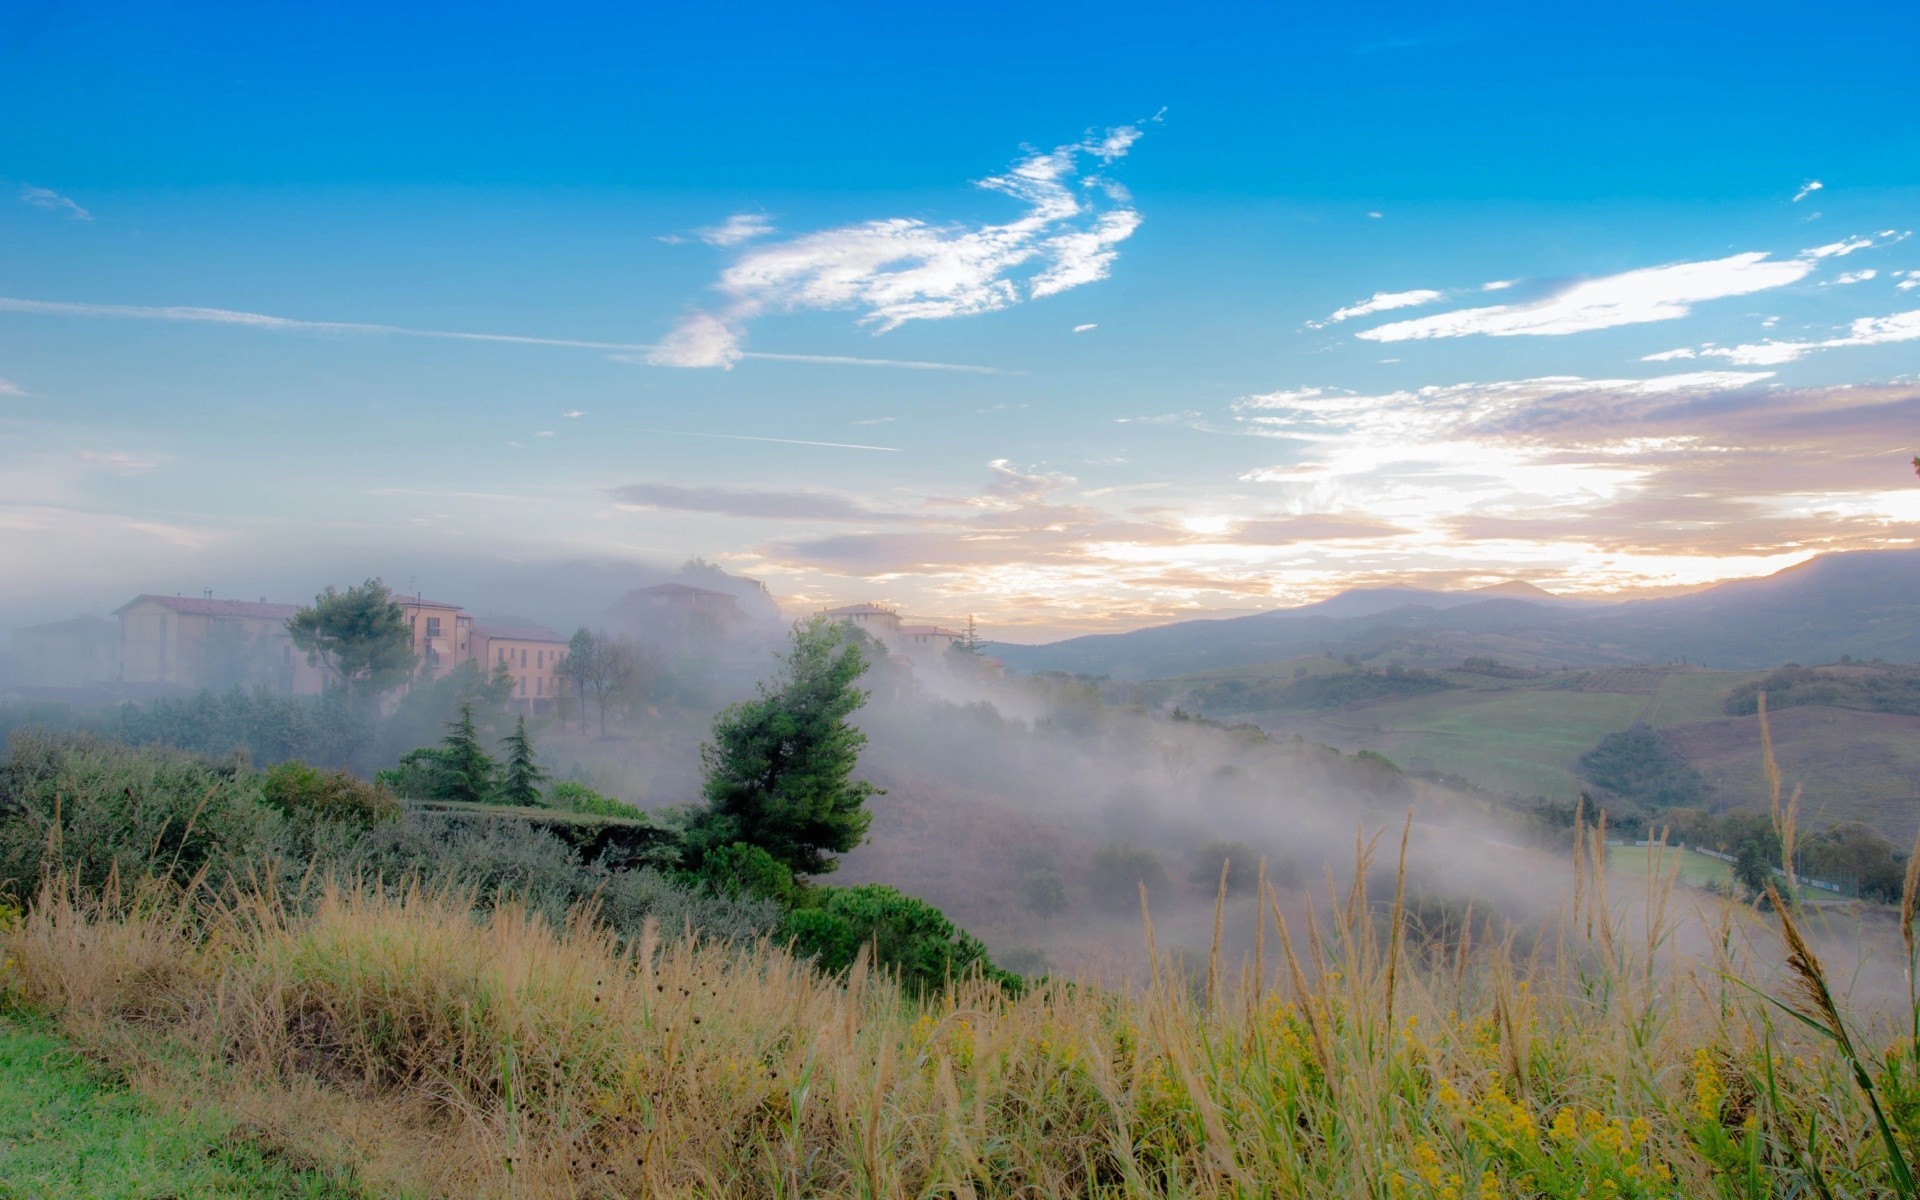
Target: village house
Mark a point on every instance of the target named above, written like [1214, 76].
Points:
[442, 635]
[884, 625]
[190, 643]
[531, 657]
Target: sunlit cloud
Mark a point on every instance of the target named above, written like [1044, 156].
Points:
[1867, 331]
[900, 269]
[1807, 189]
[1629, 298]
[1377, 303]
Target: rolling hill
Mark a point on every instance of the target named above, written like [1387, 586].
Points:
[1865, 604]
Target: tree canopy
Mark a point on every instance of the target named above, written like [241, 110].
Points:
[779, 769]
[360, 636]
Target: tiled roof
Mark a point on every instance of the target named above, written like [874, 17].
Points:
[202, 607]
[416, 602]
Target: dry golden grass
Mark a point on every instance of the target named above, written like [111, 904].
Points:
[439, 1053]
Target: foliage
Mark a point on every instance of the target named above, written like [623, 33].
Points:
[1118, 872]
[499, 862]
[93, 810]
[906, 935]
[1241, 860]
[744, 870]
[571, 796]
[1043, 893]
[326, 729]
[779, 768]
[1637, 764]
[1877, 687]
[458, 769]
[309, 795]
[520, 776]
[360, 636]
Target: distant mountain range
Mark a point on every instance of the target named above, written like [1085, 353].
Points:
[1863, 603]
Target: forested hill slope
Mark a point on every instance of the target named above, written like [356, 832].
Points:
[1865, 604]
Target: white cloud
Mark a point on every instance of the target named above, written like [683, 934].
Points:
[1867, 331]
[10, 388]
[1807, 189]
[1498, 285]
[573, 414]
[1085, 328]
[1629, 298]
[544, 433]
[1379, 302]
[53, 202]
[904, 269]
[1856, 276]
[741, 227]
[1375, 216]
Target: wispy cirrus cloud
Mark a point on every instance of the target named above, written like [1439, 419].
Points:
[1629, 298]
[51, 201]
[1807, 189]
[900, 269]
[1377, 303]
[634, 352]
[1647, 294]
[1866, 331]
[755, 502]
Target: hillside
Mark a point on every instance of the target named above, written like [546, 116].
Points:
[1524, 732]
[1864, 604]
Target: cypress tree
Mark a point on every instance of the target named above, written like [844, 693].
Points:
[466, 773]
[521, 777]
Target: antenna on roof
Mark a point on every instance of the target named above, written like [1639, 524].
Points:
[208, 593]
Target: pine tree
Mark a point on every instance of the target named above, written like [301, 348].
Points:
[779, 769]
[465, 771]
[972, 639]
[521, 777]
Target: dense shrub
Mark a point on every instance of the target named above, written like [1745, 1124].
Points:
[1118, 872]
[309, 794]
[500, 861]
[1637, 764]
[568, 796]
[908, 936]
[743, 870]
[94, 810]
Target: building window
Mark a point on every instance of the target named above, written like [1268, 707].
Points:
[433, 626]
[503, 656]
[540, 686]
[523, 685]
[523, 658]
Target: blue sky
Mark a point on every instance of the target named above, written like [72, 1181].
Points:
[1135, 226]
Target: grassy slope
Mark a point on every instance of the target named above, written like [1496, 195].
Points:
[65, 1131]
[1527, 736]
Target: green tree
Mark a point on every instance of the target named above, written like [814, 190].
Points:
[463, 770]
[1043, 893]
[520, 776]
[779, 769]
[359, 636]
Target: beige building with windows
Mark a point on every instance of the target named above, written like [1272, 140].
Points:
[196, 642]
[442, 635]
[531, 657]
[883, 625]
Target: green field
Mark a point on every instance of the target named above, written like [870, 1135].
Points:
[68, 1133]
[1521, 740]
[1696, 870]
